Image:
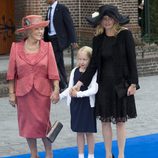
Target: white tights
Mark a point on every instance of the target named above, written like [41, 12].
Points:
[89, 156]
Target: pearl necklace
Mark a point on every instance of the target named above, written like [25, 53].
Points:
[31, 48]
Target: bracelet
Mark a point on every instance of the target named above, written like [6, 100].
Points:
[56, 90]
[133, 85]
[11, 92]
[56, 87]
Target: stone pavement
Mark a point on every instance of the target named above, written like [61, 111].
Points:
[146, 122]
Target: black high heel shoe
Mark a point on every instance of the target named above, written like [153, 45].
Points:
[113, 156]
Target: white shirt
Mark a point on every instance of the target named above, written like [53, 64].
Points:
[52, 29]
[90, 92]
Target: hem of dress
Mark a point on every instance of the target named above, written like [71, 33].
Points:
[115, 120]
[32, 137]
[84, 131]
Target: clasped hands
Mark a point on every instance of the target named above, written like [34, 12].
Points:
[76, 88]
[54, 97]
[73, 92]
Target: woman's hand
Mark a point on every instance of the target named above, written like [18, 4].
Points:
[55, 94]
[77, 86]
[12, 99]
[73, 92]
[131, 90]
[54, 97]
[75, 89]
[75, 45]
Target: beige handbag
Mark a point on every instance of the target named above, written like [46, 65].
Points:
[54, 131]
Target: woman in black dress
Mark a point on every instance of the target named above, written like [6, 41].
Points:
[114, 58]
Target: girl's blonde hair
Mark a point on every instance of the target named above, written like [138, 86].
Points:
[117, 28]
[87, 50]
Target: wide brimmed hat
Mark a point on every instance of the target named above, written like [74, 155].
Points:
[32, 21]
[109, 10]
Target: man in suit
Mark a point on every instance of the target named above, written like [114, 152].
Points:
[61, 33]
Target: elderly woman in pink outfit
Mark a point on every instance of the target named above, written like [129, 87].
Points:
[33, 83]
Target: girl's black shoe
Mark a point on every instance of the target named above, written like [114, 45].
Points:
[113, 156]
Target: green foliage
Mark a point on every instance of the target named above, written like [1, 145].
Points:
[153, 7]
[149, 21]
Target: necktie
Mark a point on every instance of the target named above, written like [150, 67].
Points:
[49, 18]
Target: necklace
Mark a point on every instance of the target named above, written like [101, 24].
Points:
[31, 48]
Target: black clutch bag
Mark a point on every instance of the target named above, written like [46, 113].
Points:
[54, 131]
[121, 89]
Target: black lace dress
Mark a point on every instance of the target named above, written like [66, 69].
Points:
[109, 107]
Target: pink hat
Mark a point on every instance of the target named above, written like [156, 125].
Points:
[32, 21]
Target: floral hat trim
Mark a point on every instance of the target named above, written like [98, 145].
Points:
[32, 21]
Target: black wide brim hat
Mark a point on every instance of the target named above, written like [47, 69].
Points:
[109, 10]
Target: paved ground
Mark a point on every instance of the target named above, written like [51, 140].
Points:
[3, 63]
[145, 123]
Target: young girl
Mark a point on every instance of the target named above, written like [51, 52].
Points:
[83, 120]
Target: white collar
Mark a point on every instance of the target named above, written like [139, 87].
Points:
[54, 4]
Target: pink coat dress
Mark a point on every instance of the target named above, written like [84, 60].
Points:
[33, 74]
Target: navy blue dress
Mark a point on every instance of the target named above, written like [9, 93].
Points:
[82, 115]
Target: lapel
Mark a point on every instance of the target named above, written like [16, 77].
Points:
[42, 52]
[56, 12]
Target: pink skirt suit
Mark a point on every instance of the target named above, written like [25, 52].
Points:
[33, 75]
